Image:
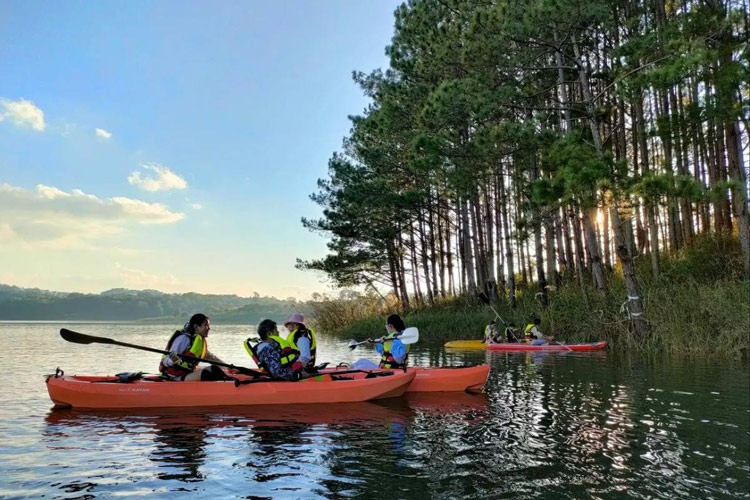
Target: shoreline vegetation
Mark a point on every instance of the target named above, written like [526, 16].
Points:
[585, 161]
[699, 306]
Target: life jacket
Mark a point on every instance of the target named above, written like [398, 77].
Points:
[387, 360]
[198, 347]
[251, 346]
[288, 354]
[297, 334]
[487, 332]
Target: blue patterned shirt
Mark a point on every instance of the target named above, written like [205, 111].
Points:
[269, 353]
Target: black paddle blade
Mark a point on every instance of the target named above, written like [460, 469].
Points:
[483, 297]
[80, 338]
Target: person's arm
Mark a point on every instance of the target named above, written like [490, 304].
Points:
[214, 357]
[536, 332]
[303, 344]
[398, 350]
[379, 347]
[178, 346]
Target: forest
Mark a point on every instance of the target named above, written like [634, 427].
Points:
[545, 145]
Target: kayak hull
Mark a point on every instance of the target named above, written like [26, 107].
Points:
[594, 346]
[106, 393]
[444, 379]
[465, 344]
[449, 379]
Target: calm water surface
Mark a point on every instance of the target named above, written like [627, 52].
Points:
[571, 425]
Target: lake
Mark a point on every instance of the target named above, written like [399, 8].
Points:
[550, 425]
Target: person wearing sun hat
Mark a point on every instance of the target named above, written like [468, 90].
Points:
[302, 339]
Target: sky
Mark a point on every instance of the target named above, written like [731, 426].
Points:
[173, 145]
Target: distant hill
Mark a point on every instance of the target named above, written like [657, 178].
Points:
[120, 304]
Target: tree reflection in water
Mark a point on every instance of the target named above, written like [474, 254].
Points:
[179, 449]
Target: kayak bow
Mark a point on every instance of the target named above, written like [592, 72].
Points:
[465, 344]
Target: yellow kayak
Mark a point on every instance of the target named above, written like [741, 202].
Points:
[465, 344]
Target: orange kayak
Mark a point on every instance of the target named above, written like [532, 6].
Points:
[88, 391]
[444, 378]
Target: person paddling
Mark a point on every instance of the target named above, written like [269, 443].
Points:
[190, 342]
[302, 339]
[511, 334]
[273, 354]
[533, 334]
[393, 352]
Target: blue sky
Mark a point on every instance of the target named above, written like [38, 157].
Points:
[173, 145]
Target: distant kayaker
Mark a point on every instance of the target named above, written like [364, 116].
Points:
[534, 335]
[273, 354]
[393, 352]
[493, 336]
[302, 339]
[490, 332]
[190, 342]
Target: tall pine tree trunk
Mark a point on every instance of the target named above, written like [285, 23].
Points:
[590, 212]
[508, 239]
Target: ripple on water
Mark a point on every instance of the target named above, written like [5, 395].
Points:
[549, 426]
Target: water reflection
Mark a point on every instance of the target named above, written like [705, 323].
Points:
[560, 425]
[180, 448]
[285, 449]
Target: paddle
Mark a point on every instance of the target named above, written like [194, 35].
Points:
[408, 336]
[81, 338]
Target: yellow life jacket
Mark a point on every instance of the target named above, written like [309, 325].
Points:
[387, 360]
[289, 354]
[527, 332]
[183, 366]
[490, 331]
[296, 334]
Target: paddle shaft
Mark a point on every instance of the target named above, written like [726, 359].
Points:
[497, 314]
[486, 300]
[408, 336]
[82, 338]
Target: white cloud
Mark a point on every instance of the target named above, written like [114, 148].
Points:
[100, 132]
[164, 180]
[196, 206]
[22, 113]
[51, 216]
